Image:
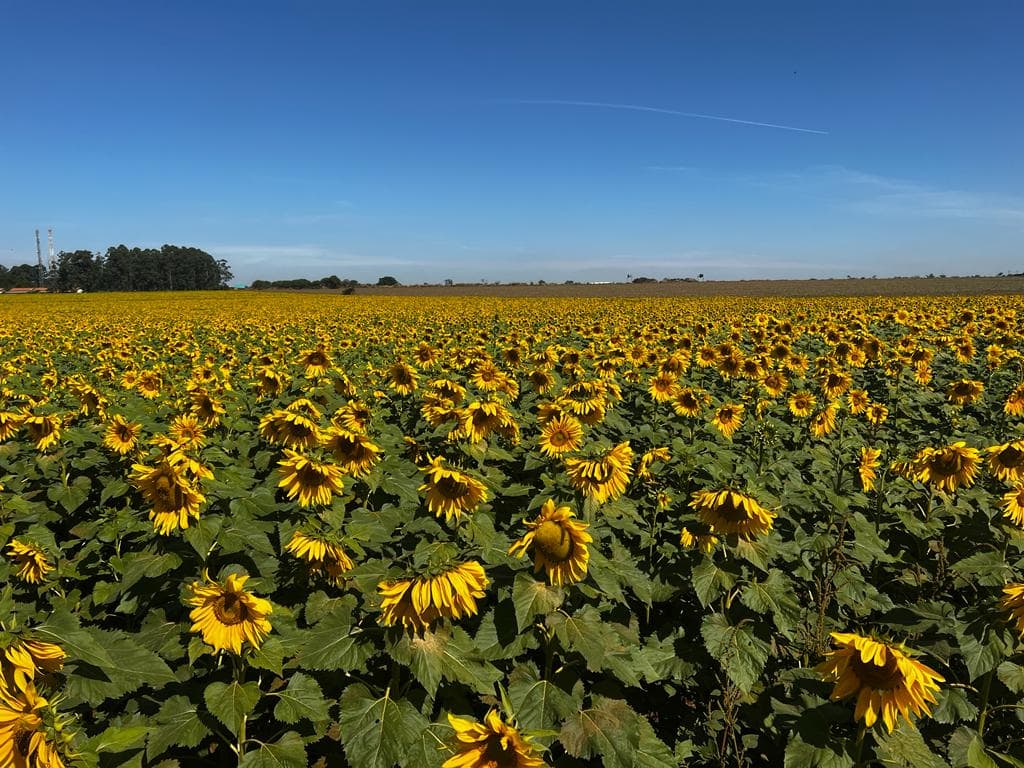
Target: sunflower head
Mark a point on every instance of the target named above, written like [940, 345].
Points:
[416, 603]
[25, 660]
[886, 680]
[731, 512]
[226, 615]
[30, 561]
[121, 435]
[560, 435]
[1006, 461]
[1013, 603]
[559, 544]
[451, 492]
[310, 481]
[175, 500]
[490, 744]
[948, 467]
[355, 453]
[603, 477]
[867, 466]
[727, 419]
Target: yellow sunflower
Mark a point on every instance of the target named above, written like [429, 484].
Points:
[355, 453]
[206, 408]
[876, 414]
[824, 421]
[663, 387]
[290, 428]
[1013, 603]
[479, 419]
[121, 435]
[354, 416]
[174, 499]
[728, 418]
[10, 424]
[323, 555]
[801, 404]
[705, 542]
[23, 740]
[491, 744]
[964, 391]
[859, 401]
[868, 465]
[1013, 505]
[602, 478]
[418, 602]
[23, 660]
[43, 430]
[949, 467]
[30, 560]
[563, 434]
[727, 511]
[1014, 405]
[312, 482]
[316, 362]
[402, 378]
[689, 402]
[1006, 461]
[226, 615]
[559, 544]
[451, 492]
[187, 432]
[885, 679]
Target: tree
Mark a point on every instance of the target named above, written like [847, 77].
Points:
[387, 280]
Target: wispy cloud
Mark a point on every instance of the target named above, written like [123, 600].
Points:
[880, 195]
[297, 257]
[657, 110]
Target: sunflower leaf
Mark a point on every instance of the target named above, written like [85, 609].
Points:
[230, 702]
[532, 597]
[538, 703]
[177, 724]
[740, 652]
[906, 748]
[774, 595]
[333, 644]
[287, 752]
[301, 700]
[800, 754]
[377, 731]
[608, 728]
[1011, 675]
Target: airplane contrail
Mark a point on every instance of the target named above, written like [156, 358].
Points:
[659, 110]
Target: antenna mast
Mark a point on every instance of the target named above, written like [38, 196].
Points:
[49, 233]
[39, 259]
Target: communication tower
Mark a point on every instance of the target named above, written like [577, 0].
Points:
[53, 261]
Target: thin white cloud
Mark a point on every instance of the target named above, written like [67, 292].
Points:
[657, 110]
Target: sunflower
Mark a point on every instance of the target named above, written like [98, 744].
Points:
[187, 432]
[269, 382]
[30, 560]
[313, 482]
[663, 387]
[559, 544]
[1013, 505]
[561, 435]
[354, 416]
[402, 378]
[316, 362]
[728, 418]
[491, 744]
[44, 431]
[689, 402]
[801, 404]
[226, 615]
[417, 602]
[949, 467]
[859, 401]
[867, 466]
[540, 380]
[964, 391]
[1006, 461]
[290, 428]
[121, 435]
[447, 390]
[602, 478]
[775, 383]
[824, 421]
[647, 458]
[835, 383]
[23, 740]
[727, 511]
[705, 542]
[451, 492]
[355, 453]
[876, 414]
[482, 417]
[322, 554]
[206, 408]
[22, 660]
[149, 384]
[174, 499]
[1013, 603]
[10, 423]
[884, 677]
[1014, 405]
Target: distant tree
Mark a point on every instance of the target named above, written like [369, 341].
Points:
[644, 280]
[700, 276]
[77, 270]
[20, 276]
[448, 281]
[387, 280]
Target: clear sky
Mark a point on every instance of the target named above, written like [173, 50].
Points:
[520, 140]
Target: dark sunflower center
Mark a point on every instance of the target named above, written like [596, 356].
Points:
[230, 610]
[1011, 457]
[22, 739]
[553, 541]
[688, 401]
[946, 465]
[559, 438]
[728, 510]
[883, 678]
[310, 477]
[500, 752]
[452, 488]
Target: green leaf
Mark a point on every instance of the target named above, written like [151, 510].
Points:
[1011, 675]
[532, 597]
[301, 700]
[287, 752]
[905, 748]
[539, 704]
[987, 569]
[72, 496]
[431, 747]
[800, 754]
[709, 581]
[741, 654]
[62, 628]
[230, 702]
[447, 653]
[583, 631]
[119, 738]
[177, 724]
[608, 728]
[954, 707]
[376, 731]
[269, 656]
[333, 644]
[774, 595]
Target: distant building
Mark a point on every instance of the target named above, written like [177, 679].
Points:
[28, 290]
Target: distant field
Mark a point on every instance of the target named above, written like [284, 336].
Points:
[937, 286]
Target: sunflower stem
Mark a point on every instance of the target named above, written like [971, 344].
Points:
[238, 672]
[986, 686]
[858, 749]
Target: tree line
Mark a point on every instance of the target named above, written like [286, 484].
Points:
[169, 268]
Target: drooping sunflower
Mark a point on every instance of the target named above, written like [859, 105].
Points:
[354, 416]
[30, 560]
[604, 477]
[689, 402]
[355, 453]
[312, 482]
[835, 383]
[949, 467]
[482, 417]
[290, 428]
[418, 602]
[728, 418]
[175, 500]
[858, 400]
[647, 458]
[269, 381]
[121, 435]
[490, 744]
[886, 680]
[321, 553]
[23, 740]
[402, 378]
[23, 660]
[705, 542]
[1006, 461]
[316, 362]
[227, 615]
[727, 512]
[964, 391]
[824, 421]
[206, 408]
[560, 435]
[451, 492]
[1013, 505]
[1014, 405]
[1012, 602]
[867, 466]
[10, 424]
[559, 544]
[43, 430]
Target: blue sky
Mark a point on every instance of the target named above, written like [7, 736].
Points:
[476, 141]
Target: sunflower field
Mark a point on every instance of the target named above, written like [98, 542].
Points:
[281, 530]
